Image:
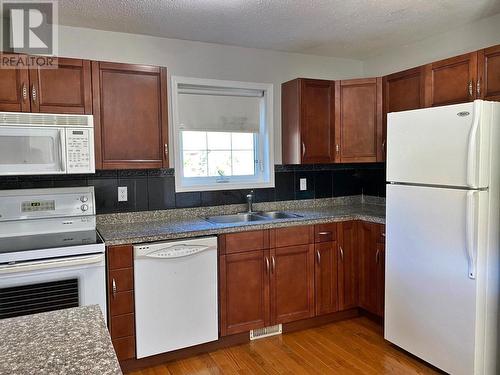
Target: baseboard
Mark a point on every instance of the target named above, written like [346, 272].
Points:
[232, 340]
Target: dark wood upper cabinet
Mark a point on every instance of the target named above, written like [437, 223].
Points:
[308, 121]
[488, 86]
[358, 120]
[130, 115]
[401, 92]
[326, 277]
[451, 80]
[66, 89]
[347, 266]
[244, 291]
[14, 88]
[292, 283]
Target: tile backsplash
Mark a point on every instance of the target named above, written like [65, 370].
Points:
[155, 189]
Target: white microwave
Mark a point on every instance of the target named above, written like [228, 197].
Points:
[39, 143]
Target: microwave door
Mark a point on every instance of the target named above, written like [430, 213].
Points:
[33, 150]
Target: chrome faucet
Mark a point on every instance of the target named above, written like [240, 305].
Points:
[250, 201]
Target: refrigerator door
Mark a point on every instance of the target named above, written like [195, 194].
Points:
[430, 290]
[443, 146]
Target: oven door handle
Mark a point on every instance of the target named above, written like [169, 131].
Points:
[50, 263]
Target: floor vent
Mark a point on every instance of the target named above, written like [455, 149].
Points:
[266, 332]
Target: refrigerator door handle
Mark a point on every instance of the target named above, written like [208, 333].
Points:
[470, 232]
[472, 149]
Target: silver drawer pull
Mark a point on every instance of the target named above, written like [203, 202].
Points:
[114, 288]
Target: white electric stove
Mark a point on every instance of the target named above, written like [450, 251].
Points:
[51, 256]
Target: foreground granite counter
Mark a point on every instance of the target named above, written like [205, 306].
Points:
[69, 341]
[137, 227]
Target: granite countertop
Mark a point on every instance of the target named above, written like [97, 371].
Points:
[69, 341]
[161, 225]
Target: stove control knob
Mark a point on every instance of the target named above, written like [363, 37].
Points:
[84, 198]
[84, 207]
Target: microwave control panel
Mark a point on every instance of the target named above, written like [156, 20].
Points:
[79, 150]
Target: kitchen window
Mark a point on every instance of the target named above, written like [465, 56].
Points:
[222, 134]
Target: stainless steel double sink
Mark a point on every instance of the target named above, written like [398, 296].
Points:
[251, 216]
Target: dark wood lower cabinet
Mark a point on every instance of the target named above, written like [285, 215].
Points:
[326, 277]
[347, 266]
[292, 283]
[372, 268]
[244, 291]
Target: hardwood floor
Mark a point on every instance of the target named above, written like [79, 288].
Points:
[353, 346]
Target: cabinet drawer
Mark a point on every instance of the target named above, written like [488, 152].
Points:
[120, 257]
[243, 241]
[325, 232]
[123, 279]
[121, 303]
[292, 236]
[124, 347]
[122, 326]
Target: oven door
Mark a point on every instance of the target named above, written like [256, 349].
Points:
[52, 284]
[32, 150]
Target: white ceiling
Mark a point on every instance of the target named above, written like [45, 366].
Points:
[340, 28]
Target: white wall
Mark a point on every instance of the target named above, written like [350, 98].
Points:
[468, 38]
[206, 60]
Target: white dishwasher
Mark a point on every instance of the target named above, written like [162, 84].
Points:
[175, 295]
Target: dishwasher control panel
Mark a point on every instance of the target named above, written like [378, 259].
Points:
[175, 249]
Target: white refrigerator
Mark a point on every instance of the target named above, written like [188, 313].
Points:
[442, 235]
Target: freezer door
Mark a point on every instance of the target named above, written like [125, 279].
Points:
[431, 249]
[445, 146]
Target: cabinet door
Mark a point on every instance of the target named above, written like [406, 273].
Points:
[326, 277]
[401, 92]
[317, 121]
[244, 291]
[130, 114]
[451, 81]
[488, 86]
[368, 270]
[66, 89]
[358, 120]
[14, 88]
[380, 259]
[347, 266]
[292, 283]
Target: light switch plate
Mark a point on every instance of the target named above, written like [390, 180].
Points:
[303, 184]
[122, 194]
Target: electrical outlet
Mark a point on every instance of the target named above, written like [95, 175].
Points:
[122, 194]
[303, 184]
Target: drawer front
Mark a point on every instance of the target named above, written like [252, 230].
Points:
[123, 280]
[244, 241]
[325, 232]
[124, 347]
[122, 326]
[120, 257]
[121, 303]
[293, 236]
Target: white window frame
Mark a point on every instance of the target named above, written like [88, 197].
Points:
[265, 143]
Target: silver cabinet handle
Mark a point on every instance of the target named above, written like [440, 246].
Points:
[478, 88]
[383, 145]
[267, 265]
[24, 91]
[303, 149]
[114, 288]
[273, 262]
[166, 150]
[33, 93]
[377, 256]
[324, 233]
[318, 256]
[337, 148]
[470, 88]
[341, 253]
